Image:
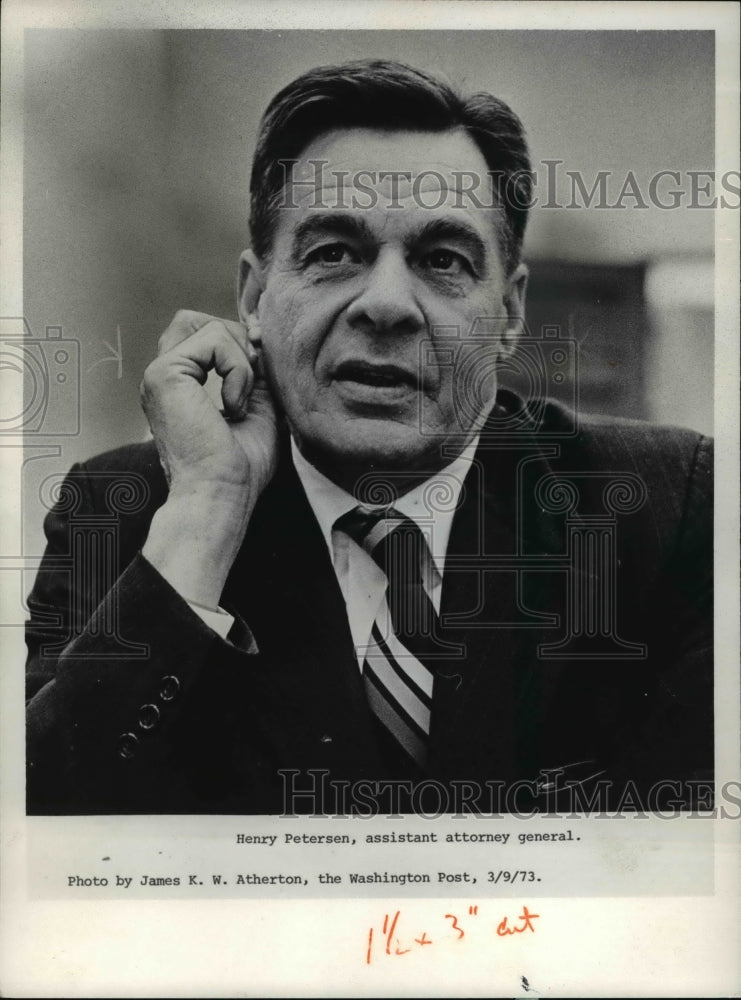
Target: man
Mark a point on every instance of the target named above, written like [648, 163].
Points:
[372, 566]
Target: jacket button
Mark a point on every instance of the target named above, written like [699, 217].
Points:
[127, 745]
[148, 716]
[170, 687]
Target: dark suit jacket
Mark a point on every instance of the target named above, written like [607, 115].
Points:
[577, 591]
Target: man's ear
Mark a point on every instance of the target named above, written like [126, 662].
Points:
[250, 284]
[514, 302]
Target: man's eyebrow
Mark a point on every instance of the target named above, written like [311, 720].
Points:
[452, 229]
[330, 224]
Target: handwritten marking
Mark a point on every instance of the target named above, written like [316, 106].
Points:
[455, 927]
[115, 355]
[503, 929]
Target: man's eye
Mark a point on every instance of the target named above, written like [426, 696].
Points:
[331, 253]
[445, 260]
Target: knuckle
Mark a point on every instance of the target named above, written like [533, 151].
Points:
[186, 321]
[242, 370]
[150, 378]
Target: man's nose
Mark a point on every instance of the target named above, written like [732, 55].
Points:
[388, 302]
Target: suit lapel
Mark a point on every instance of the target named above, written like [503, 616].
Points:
[488, 705]
[284, 582]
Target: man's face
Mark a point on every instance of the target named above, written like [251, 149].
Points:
[385, 301]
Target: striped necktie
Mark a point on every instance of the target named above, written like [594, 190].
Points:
[397, 671]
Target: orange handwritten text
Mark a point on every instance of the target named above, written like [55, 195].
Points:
[393, 944]
[526, 916]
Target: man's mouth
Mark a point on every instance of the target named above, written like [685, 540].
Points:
[376, 375]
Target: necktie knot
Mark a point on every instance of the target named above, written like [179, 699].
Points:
[394, 542]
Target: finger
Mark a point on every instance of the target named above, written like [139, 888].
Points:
[241, 334]
[186, 323]
[253, 329]
[263, 411]
[231, 361]
[213, 347]
[254, 333]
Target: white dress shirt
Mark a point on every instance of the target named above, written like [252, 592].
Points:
[431, 505]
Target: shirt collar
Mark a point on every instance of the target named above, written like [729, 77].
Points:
[436, 499]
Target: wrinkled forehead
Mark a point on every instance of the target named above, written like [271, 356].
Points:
[394, 179]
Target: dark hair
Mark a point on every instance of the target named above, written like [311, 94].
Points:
[387, 95]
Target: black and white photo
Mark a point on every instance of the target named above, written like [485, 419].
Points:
[370, 499]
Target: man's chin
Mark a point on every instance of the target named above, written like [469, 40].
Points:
[357, 452]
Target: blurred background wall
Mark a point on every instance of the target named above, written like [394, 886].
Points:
[137, 154]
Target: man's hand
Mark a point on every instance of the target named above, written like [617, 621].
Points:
[216, 464]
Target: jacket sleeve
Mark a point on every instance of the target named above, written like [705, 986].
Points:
[116, 685]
